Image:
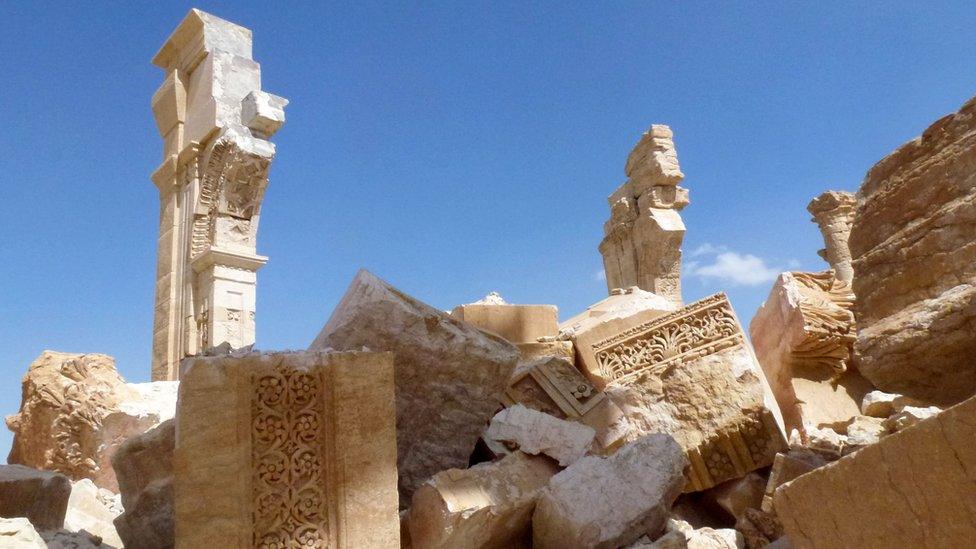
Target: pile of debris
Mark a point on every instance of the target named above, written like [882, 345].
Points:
[844, 418]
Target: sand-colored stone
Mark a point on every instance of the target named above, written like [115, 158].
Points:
[737, 495]
[914, 259]
[93, 509]
[642, 239]
[908, 416]
[19, 533]
[215, 123]
[39, 496]
[286, 448]
[535, 432]
[610, 502]
[758, 528]
[539, 349]
[488, 506]
[915, 488]
[516, 323]
[864, 431]
[144, 465]
[691, 373]
[882, 405]
[833, 212]
[803, 336]
[449, 375]
[681, 535]
[786, 467]
[76, 410]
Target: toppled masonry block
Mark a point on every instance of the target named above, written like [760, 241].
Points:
[449, 375]
[803, 335]
[516, 323]
[915, 488]
[612, 501]
[535, 433]
[76, 410]
[487, 506]
[691, 373]
[39, 496]
[833, 212]
[914, 259]
[144, 465]
[642, 239]
[93, 509]
[286, 449]
[786, 467]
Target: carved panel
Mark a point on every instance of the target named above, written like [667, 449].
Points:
[288, 450]
[650, 349]
[735, 450]
[828, 323]
[555, 387]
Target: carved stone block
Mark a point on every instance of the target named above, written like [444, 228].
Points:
[516, 323]
[287, 449]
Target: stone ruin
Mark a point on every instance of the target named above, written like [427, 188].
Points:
[843, 418]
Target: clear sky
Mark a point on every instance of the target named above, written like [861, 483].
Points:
[453, 148]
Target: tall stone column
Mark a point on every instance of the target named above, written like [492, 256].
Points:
[215, 123]
[833, 211]
[642, 239]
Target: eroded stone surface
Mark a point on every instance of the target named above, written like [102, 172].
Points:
[19, 533]
[915, 488]
[93, 509]
[144, 465]
[296, 449]
[914, 259]
[833, 212]
[737, 495]
[39, 496]
[535, 433]
[449, 376]
[610, 502]
[786, 467]
[487, 506]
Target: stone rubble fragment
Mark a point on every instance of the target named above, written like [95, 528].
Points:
[786, 467]
[735, 496]
[76, 410]
[803, 335]
[882, 405]
[758, 528]
[487, 506]
[64, 539]
[914, 259]
[833, 212]
[144, 465]
[908, 416]
[642, 242]
[19, 533]
[39, 496]
[916, 486]
[535, 433]
[541, 349]
[863, 431]
[93, 509]
[449, 375]
[309, 436]
[610, 502]
[681, 535]
[215, 123]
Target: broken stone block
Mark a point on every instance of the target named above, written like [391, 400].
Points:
[286, 449]
[863, 431]
[263, 113]
[538, 433]
[803, 335]
[681, 535]
[449, 375]
[758, 528]
[735, 496]
[516, 323]
[93, 509]
[786, 467]
[914, 488]
[914, 261]
[833, 212]
[39, 496]
[692, 374]
[541, 349]
[144, 465]
[487, 506]
[826, 442]
[19, 533]
[883, 405]
[76, 410]
[612, 501]
[908, 416]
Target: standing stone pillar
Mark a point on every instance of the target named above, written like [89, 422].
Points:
[833, 211]
[215, 122]
[642, 239]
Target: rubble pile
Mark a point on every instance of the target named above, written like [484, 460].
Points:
[843, 418]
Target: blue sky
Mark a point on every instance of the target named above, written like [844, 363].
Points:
[452, 148]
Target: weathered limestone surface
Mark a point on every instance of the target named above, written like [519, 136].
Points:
[554, 386]
[786, 467]
[535, 433]
[915, 264]
[610, 502]
[560, 349]
[759, 528]
[144, 465]
[449, 376]
[737, 495]
[215, 123]
[487, 506]
[516, 323]
[915, 488]
[833, 212]
[76, 410]
[642, 242]
[19, 533]
[692, 374]
[908, 416]
[882, 405]
[803, 336]
[681, 535]
[286, 449]
[93, 509]
[39, 496]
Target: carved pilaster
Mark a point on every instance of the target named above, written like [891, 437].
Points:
[833, 212]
